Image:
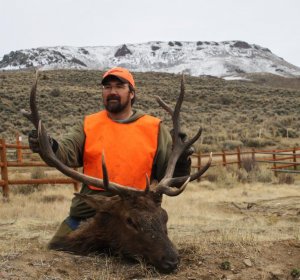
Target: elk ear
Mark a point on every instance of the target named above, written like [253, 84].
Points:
[94, 201]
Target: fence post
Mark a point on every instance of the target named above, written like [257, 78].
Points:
[253, 154]
[4, 170]
[19, 150]
[199, 164]
[274, 163]
[76, 186]
[294, 158]
[224, 157]
[239, 157]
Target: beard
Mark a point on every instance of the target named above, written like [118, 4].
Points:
[116, 106]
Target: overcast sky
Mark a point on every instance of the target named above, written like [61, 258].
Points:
[273, 24]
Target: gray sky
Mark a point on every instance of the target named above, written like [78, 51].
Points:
[273, 24]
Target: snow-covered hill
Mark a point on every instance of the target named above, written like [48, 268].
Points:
[220, 59]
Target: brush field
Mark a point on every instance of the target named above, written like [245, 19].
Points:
[261, 112]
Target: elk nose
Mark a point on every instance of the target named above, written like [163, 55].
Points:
[169, 264]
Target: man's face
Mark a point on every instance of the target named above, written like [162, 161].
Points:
[116, 96]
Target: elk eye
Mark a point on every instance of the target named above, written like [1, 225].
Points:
[131, 223]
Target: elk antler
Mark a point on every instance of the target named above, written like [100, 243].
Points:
[166, 185]
[50, 158]
[33, 116]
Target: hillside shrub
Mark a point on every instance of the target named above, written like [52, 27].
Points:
[55, 92]
[258, 142]
[231, 144]
[255, 114]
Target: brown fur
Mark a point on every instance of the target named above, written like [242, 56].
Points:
[134, 226]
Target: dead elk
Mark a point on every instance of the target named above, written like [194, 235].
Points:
[131, 222]
[132, 226]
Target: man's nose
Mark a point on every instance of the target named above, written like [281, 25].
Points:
[113, 90]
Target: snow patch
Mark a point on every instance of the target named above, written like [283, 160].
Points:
[234, 78]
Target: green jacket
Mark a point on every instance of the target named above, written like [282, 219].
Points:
[70, 152]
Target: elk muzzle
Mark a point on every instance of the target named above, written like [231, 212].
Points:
[167, 260]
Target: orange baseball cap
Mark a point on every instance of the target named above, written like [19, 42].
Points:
[121, 73]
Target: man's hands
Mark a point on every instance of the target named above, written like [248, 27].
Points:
[34, 142]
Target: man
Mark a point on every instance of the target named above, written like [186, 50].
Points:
[134, 144]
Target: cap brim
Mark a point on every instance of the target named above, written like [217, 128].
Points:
[115, 76]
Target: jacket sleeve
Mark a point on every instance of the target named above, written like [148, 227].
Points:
[183, 166]
[70, 147]
[163, 152]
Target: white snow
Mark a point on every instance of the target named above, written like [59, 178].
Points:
[234, 78]
[221, 59]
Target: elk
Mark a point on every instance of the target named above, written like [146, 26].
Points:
[131, 222]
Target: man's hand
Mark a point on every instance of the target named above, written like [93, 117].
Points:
[34, 142]
[183, 165]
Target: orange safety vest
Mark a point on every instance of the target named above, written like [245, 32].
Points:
[129, 148]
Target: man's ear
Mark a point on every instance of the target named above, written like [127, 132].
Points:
[132, 94]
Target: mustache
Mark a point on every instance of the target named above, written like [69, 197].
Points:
[113, 97]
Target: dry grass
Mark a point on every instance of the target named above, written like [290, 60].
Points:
[208, 208]
[31, 215]
[209, 223]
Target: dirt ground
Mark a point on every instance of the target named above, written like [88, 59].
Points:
[273, 260]
[246, 232]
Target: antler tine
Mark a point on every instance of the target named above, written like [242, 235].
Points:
[178, 181]
[164, 105]
[115, 188]
[105, 173]
[176, 114]
[33, 115]
[190, 142]
[34, 111]
[165, 189]
[147, 189]
[202, 170]
[178, 148]
[165, 186]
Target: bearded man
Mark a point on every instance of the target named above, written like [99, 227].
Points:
[134, 143]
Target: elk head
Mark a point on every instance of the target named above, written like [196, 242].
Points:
[132, 221]
[134, 226]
